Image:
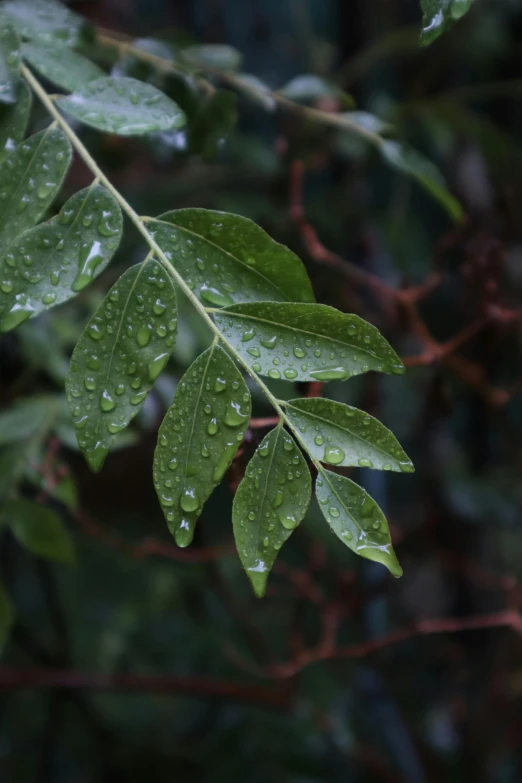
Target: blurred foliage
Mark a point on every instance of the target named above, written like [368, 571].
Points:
[443, 708]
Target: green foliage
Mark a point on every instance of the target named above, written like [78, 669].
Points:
[269, 504]
[438, 15]
[199, 438]
[252, 293]
[39, 530]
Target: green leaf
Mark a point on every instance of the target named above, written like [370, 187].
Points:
[13, 120]
[220, 56]
[227, 258]
[123, 106]
[26, 418]
[341, 435]
[60, 65]
[269, 504]
[39, 530]
[118, 357]
[66, 254]
[6, 616]
[12, 465]
[408, 161]
[212, 123]
[356, 519]
[199, 438]
[309, 87]
[9, 62]
[45, 20]
[305, 342]
[256, 89]
[438, 15]
[30, 178]
[368, 122]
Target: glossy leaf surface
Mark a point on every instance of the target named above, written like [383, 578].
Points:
[30, 178]
[410, 162]
[9, 62]
[305, 342]
[199, 438]
[356, 519]
[125, 346]
[46, 20]
[269, 504]
[438, 15]
[220, 56]
[341, 435]
[227, 258]
[13, 120]
[54, 261]
[123, 106]
[60, 65]
[39, 530]
[6, 616]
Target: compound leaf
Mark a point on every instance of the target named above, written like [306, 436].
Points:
[199, 438]
[30, 178]
[118, 357]
[305, 342]
[123, 106]
[39, 530]
[60, 65]
[269, 504]
[226, 258]
[341, 435]
[65, 255]
[356, 519]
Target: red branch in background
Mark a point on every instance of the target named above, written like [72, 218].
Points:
[391, 299]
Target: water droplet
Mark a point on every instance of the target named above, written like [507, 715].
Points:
[406, 467]
[255, 352]
[274, 374]
[157, 365]
[144, 335]
[90, 258]
[6, 287]
[234, 417]
[249, 335]
[330, 374]
[365, 463]
[49, 299]
[278, 500]
[290, 374]
[105, 226]
[269, 342]
[264, 449]
[189, 500]
[90, 384]
[319, 440]
[333, 455]
[220, 385]
[107, 403]
[215, 296]
[334, 512]
[288, 521]
[299, 352]
[212, 427]
[159, 307]
[95, 332]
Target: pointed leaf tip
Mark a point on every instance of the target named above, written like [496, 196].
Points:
[199, 438]
[270, 503]
[356, 519]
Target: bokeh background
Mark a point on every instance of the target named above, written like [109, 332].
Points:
[148, 663]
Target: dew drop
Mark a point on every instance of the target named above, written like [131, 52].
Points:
[333, 455]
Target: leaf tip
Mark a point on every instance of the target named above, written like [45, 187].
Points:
[96, 457]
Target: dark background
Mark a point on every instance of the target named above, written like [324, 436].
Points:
[341, 673]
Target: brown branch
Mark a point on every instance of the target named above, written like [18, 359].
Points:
[505, 619]
[30, 678]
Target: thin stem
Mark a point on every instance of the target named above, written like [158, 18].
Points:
[140, 224]
[340, 121]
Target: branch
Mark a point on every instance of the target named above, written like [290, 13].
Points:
[29, 678]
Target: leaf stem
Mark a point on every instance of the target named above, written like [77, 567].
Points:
[154, 247]
[338, 120]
